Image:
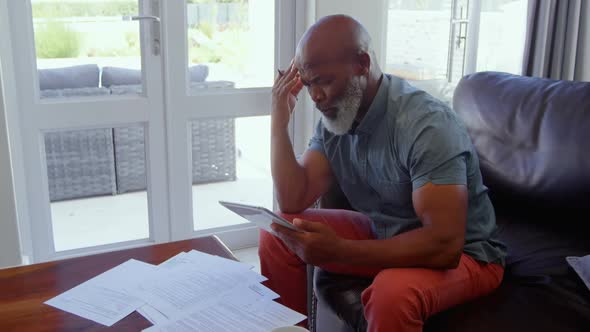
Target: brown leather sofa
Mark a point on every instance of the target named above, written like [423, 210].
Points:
[533, 140]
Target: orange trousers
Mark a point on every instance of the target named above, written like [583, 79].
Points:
[399, 299]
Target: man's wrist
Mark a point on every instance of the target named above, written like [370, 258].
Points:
[276, 129]
[342, 251]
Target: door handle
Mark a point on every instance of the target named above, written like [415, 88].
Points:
[155, 30]
[140, 17]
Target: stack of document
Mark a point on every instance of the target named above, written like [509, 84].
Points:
[192, 291]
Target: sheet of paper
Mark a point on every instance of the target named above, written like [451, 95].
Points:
[194, 254]
[174, 291]
[230, 316]
[202, 259]
[582, 267]
[206, 261]
[108, 297]
[152, 315]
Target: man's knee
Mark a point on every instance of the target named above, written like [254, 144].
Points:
[388, 295]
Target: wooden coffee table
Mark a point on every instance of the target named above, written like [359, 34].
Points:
[24, 289]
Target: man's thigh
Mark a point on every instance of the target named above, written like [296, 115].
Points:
[428, 291]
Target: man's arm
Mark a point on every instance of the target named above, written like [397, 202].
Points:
[297, 184]
[438, 244]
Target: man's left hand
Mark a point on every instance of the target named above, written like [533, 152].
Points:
[317, 245]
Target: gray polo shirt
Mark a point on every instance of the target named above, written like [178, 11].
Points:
[407, 139]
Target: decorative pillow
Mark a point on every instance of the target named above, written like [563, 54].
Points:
[83, 76]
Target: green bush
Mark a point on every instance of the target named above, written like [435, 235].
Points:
[56, 40]
[84, 9]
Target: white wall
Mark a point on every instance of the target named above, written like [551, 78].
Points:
[9, 238]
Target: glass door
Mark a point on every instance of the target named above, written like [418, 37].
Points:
[221, 59]
[137, 116]
[90, 94]
[426, 43]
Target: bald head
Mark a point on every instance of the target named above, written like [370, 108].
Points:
[336, 63]
[332, 38]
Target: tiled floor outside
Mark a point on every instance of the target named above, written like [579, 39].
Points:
[110, 219]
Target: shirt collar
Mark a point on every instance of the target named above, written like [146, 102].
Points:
[377, 109]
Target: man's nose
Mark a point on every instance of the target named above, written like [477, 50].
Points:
[317, 95]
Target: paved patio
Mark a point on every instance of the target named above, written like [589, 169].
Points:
[110, 219]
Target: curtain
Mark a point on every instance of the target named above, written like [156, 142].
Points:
[558, 40]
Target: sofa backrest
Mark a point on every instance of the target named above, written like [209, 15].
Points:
[125, 76]
[532, 136]
[83, 76]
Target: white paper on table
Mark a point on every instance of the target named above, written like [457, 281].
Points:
[201, 260]
[264, 292]
[582, 267]
[252, 293]
[106, 298]
[244, 294]
[198, 256]
[195, 257]
[174, 291]
[233, 316]
[152, 315]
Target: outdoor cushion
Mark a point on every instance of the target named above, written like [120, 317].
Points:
[126, 76]
[69, 77]
[120, 76]
[198, 73]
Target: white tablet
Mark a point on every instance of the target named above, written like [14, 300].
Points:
[259, 215]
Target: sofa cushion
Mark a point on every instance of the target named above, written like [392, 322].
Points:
[529, 135]
[120, 76]
[540, 291]
[126, 76]
[198, 73]
[82, 76]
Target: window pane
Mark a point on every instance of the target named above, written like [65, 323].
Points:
[502, 35]
[418, 35]
[231, 162]
[86, 48]
[230, 43]
[97, 186]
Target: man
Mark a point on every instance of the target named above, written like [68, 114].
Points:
[425, 229]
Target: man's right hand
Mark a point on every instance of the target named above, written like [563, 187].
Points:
[284, 96]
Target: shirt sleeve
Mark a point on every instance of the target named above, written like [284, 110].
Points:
[317, 140]
[438, 150]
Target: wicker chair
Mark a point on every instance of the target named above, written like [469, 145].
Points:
[80, 163]
[85, 163]
[213, 150]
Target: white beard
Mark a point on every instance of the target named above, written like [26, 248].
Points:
[348, 107]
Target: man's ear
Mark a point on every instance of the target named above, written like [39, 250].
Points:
[364, 63]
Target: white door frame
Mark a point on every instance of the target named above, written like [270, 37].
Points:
[38, 116]
[224, 103]
[170, 206]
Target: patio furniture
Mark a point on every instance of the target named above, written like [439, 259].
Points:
[85, 163]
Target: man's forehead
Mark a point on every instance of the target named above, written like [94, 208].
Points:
[316, 65]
